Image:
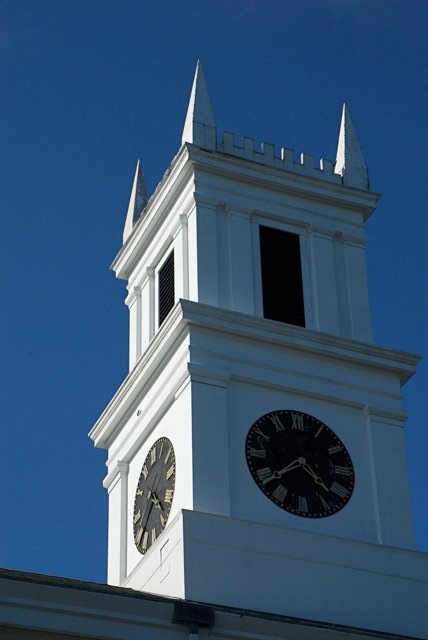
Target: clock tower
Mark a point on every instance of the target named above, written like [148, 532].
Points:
[255, 449]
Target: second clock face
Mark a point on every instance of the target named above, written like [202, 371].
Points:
[299, 463]
[154, 494]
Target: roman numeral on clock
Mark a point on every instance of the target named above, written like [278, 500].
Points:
[303, 504]
[145, 543]
[261, 434]
[138, 535]
[168, 495]
[264, 474]
[170, 471]
[335, 449]
[324, 504]
[297, 421]
[280, 493]
[343, 471]
[256, 453]
[319, 431]
[339, 490]
[276, 422]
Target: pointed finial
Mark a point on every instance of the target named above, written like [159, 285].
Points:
[350, 163]
[137, 201]
[199, 126]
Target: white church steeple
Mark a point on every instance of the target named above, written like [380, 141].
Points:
[256, 454]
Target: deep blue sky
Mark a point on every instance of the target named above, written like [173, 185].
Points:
[90, 86]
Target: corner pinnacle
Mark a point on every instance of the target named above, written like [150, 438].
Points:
[350, 163]
[199, 126]
[137, 201]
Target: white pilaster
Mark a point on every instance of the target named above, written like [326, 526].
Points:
[151, 311]
[325, 282]
[184, 255]
[312, 290]
[373, 475]
[131, 301]
[358, 295]
[207, 267]
[391, 482]
[138, 335]
[117, 487]
[241, 261]
[224, 257]
[123, 475]
[343, 299]
[210, 444]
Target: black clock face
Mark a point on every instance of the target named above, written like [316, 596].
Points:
[154, 494]
[299, 463]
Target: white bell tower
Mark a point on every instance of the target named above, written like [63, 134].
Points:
[248, 298]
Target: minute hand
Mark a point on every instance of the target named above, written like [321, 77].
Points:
[312, 473]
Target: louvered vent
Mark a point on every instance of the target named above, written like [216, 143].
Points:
[281, 276]
[166, 287]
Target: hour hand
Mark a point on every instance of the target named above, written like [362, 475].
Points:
[293, 465]
[278, 474]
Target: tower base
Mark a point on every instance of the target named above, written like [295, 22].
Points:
[241, 564]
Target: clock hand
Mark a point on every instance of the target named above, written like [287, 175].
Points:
[146, 518]
[293, 465]
[150, 504]
[312, 473]
[278, 474]
[155, 500]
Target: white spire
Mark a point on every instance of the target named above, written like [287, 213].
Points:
[199, 126]
[350, 163]
[137, 201]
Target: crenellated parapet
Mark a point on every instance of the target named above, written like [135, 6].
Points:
[266, 154]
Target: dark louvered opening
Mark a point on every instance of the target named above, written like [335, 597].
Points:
[281, 276]
[166, 287]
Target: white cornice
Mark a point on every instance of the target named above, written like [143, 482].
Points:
[188, 315]
[284, 179]
[314, 342]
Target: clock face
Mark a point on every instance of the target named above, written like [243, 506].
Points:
[154, 494]
[299, 463]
